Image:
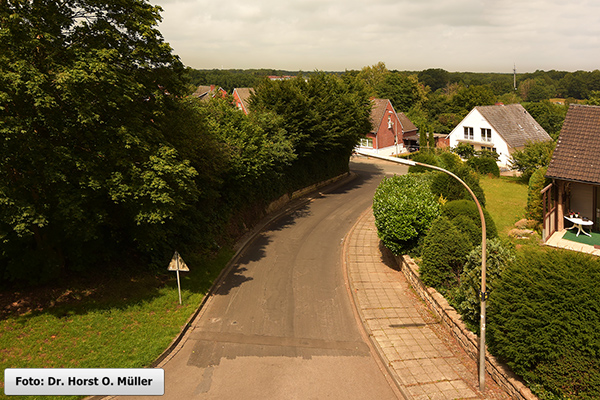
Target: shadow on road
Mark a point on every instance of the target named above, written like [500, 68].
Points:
[366, 171]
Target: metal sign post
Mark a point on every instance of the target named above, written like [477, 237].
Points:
[177, 265]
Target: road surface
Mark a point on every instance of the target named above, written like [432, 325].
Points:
[282, 325]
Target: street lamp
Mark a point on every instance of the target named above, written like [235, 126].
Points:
[483, 293]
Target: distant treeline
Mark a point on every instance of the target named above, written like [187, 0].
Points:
[531, 86]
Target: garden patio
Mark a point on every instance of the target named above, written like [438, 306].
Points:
[566, 239]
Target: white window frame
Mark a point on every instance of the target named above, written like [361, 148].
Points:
[366, 142]
[486, 135]
[468, 132]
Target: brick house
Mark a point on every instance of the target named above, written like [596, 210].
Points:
[499, 128]
[389, 129]
[575, 170]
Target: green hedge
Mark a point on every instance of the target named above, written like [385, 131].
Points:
[466, 298]
[444, 253]
[543, 322]
[404, 208]
[484, 165]
[535, 207]
[457, 208]
[448, 187]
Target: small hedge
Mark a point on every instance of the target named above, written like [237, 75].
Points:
[484, 165]
[448, 187]
[404, 208]
[444, 253]
[466, 298]
[544, 322]
[535, 208]
[456, 208]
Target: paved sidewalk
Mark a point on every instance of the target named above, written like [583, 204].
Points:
[424, 357]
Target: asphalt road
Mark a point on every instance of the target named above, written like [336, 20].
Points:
[282, 325]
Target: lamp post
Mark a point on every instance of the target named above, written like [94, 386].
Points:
[483, 293]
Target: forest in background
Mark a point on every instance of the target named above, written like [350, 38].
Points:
[436, 100]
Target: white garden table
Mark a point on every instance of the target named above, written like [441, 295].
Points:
[579, 224]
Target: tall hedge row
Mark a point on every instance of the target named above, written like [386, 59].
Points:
[154, 176]
[544, 318]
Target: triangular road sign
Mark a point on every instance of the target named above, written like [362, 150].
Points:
[177, 263]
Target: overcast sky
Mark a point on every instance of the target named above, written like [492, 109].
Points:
[338, 35]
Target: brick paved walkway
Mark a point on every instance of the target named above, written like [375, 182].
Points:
[422, 355]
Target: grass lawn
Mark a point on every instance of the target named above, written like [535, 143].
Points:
[506, 199]
[117, 322]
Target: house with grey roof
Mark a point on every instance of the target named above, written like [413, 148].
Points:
[204, 92]
[575, 171]
[389, 129]
[499, 128]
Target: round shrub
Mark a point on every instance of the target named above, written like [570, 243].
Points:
[467, 301]
[484, 165]
[544, 318]
[467, 226]
[425, 157]
[444, 252]
[404, 208]
[449, 160]
[448, 187]
[535, 208]
[453, 209]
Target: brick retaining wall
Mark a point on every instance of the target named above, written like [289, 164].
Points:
[467, 339]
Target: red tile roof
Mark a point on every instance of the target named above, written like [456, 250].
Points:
[577, 153]
[378, 113]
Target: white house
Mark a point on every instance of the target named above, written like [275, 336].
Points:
[500, 128]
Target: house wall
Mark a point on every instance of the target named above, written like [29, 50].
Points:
[386, 135]
[582, 199]
[476, 121]
[384, 139]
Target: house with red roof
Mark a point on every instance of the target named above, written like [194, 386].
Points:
[389, 129]
[241, 97]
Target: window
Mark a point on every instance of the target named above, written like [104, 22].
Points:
[468, 133]
[366, 142]
[486, 135]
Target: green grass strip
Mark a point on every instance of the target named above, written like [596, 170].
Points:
[506, 199]
[125, 322]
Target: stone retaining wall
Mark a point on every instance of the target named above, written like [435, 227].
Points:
[286, 198]
[467, 339]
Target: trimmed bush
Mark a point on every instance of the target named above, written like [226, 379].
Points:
[484, 165]
[466, 225]
[544, 318]
[425, 157]
[453, 209]
[467, 301]
[404, 208]
[448, 187]
[535, 208]
[449, 161]
[444, 252]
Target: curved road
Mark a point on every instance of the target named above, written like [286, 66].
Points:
[282, 325]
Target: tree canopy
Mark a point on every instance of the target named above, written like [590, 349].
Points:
[83, 87]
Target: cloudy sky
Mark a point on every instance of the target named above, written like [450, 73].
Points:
[338, 35]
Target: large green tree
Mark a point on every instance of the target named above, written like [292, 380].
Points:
[323, 116]
[84, 85]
